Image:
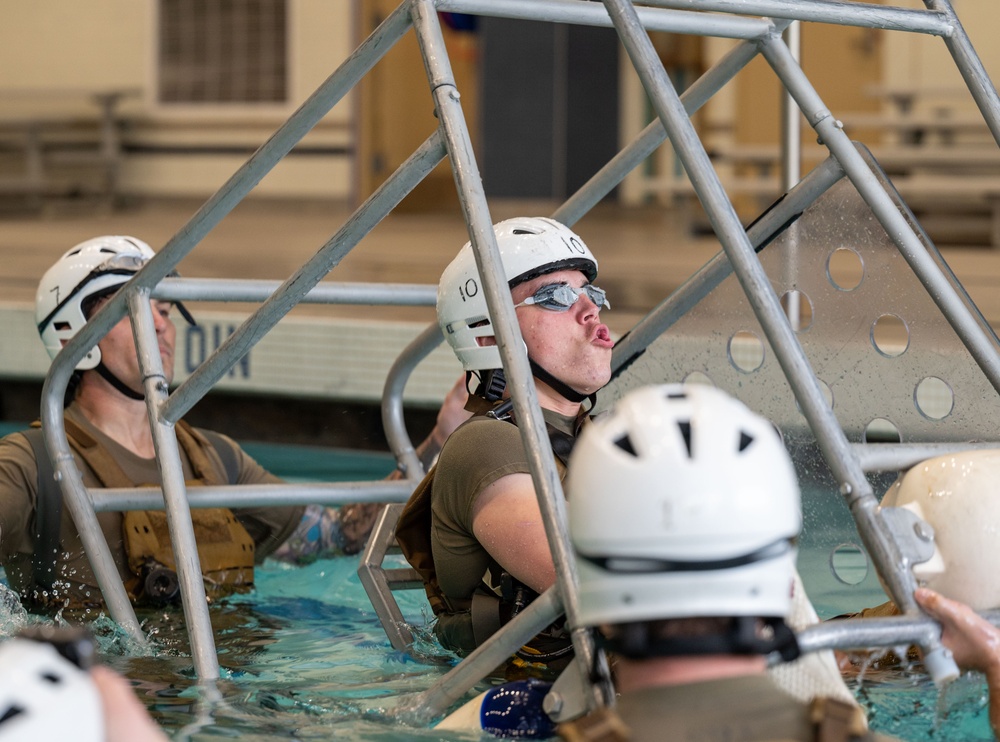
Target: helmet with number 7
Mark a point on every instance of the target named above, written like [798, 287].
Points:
[529, 247]
[92, 268]
[682, 503]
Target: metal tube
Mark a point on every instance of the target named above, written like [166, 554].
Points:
[704, 281]
[439, 697]
[601, 184]
[866, 15]
[971, 67]
[250, 290]
[392, 400]
[243, 180]
[864, 633]
[515, 361]
[168, 458]
[371, 212]
[254, 495]
[949, 301]
[877, 457]
[874, 532]
[592, 14]
[748, 270]
[75, 498]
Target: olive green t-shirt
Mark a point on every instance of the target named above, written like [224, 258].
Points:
[748, 708]
[477, 454]
[267, 526]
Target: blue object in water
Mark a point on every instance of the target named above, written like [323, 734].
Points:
[514, 710]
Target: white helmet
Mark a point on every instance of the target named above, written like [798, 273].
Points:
[682, 503]
[97, 266]
[529, 247]
[956, 495]
[45, 696]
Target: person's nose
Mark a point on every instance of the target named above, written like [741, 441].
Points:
[586, 309]
[160, 318]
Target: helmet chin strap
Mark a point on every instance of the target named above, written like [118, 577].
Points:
[561, 387]
[493, 384]
[118, 383]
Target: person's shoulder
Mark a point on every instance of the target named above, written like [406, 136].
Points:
[479, 431]
[18, 441]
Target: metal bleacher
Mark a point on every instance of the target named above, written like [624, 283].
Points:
[758, 25]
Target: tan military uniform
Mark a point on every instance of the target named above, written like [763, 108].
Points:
[267, 527]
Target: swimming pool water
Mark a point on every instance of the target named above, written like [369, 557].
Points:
[304, 656]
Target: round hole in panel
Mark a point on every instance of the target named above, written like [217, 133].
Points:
[699, 377]
[849, 563]
[746, 351]
[845, 269]
[890, 335]
[881, 430]
[798, 309]
[934, 398]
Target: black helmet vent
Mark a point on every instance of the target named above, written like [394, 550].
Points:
[745, 441]
[685, 428]
[625, 444]
[526, 231]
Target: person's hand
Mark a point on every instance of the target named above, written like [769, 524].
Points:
[125, 718]
[974, 641]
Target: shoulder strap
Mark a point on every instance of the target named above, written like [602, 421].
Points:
[225, 450]
[48, 511]
[413, 534]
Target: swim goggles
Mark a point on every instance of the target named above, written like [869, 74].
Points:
[559, 297]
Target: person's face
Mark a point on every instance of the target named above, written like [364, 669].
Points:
[573, 345]
[118, 346]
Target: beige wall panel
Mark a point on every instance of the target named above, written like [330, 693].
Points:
[917, 60]
[298, 177]
[73, 44]
[107, 44]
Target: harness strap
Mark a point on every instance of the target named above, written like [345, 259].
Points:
[48, 499]
[48, 512]
[485, 616]
[226, 452]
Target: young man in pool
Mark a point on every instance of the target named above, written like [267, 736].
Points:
[474, 525]
[109, 433]
[683, 512]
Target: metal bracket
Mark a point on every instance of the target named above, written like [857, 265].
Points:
[913, 535]
[380, 582]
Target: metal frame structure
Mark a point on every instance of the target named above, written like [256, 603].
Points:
[888, 538]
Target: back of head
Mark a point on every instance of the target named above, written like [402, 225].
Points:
[529, 247]
[45, 696]
[956, 495]
[682, 503]
[92, 269]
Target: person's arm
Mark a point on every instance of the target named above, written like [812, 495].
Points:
[507, 522]
[125, 718]
[973, 640]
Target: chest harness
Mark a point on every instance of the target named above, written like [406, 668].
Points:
[500, 596]
[225, 548]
